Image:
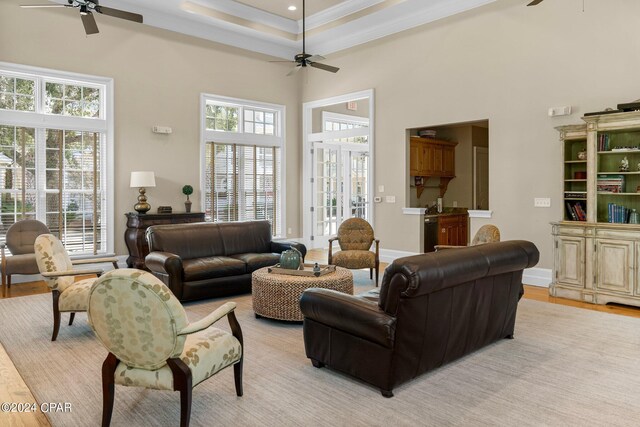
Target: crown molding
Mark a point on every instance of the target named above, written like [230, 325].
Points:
[337, 12]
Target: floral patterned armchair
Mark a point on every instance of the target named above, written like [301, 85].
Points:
[151, 343]
[58, 271]
[488, 233]
[355, 237]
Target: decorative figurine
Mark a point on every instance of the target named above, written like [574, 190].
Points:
[638, 166]
[316, 268]
[582, 155]
[624, 164]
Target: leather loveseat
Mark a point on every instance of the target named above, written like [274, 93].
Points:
[206, 260]
[432, 309]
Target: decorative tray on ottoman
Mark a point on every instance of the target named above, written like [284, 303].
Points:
[307, 270]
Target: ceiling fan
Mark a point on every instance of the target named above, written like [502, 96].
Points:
[535, 2]
[87, 7]
[304, 59]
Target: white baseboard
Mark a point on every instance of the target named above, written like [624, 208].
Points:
[537, 277]
[24, 278]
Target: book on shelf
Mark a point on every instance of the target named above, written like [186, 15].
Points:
[610, 183]
[618, 214]
[576, 211]
[603, 142]
[575, 194]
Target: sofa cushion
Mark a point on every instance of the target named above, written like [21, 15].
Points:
[188, 241]
[256, 261]
[245, 237]
[212, 267]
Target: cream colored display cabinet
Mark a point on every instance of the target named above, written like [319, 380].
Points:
[597, 243]
[596, 263]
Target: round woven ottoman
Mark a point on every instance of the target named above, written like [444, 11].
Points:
[277, 296]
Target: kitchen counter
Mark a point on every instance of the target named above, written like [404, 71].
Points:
[431, 213]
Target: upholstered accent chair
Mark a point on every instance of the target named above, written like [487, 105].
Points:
[151, 343]
[19, 240]
[355, 237]
[58, 271]
[488, 233]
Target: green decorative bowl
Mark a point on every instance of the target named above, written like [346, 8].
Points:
[291, 259]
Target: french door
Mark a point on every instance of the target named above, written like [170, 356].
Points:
[340, 187]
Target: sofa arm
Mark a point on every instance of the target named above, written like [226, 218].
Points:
[164, 263]
[351, 314]
[279, 246]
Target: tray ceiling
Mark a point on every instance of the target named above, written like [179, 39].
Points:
[280, 7]
[262, 26]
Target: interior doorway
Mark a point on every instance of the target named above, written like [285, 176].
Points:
[338, 164]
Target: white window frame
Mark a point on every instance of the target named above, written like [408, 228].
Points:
[241, 138]
[40, 121]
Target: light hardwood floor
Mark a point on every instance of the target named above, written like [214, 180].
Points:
[13, 388]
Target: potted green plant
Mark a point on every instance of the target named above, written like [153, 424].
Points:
[187, 190]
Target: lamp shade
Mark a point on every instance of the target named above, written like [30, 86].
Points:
[143, 179]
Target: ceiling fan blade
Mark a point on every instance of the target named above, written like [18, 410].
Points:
[89, 22]
[116, 13]
[535, 2]
[294, 70]
[36, 6]
[289, 62]
[324, 67]
[314, 58]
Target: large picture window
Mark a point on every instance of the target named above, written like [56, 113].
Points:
[54, 156]
[242, 161]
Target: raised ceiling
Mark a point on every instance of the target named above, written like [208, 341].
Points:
[263, 26]
[280, 7]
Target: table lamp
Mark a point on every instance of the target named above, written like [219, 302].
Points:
[142, 179]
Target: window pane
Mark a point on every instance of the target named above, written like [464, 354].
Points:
[54, 90]
[25, 87]
[7, 84]
[72, 100]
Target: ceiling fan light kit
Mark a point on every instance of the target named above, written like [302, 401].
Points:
[86, 8]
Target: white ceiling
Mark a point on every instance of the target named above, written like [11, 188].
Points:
[280, 7]
[262, 26]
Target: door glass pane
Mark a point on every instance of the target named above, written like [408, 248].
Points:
[359, 185]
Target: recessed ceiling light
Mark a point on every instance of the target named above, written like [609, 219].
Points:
[292, 8]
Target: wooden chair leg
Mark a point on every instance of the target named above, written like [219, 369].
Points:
[237, 376]
[8, 281]
[377, 272]
[108, 388]
[182, 382]
[73, 316]
[56, 314]
[370, 273]
[237, 368]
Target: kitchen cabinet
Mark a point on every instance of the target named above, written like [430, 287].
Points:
[453, 230]
[432, 157]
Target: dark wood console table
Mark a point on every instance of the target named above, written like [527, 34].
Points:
[137, 225]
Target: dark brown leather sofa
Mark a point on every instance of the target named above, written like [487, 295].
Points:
[432, 309]
[206, 260]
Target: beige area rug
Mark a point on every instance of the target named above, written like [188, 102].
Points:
[567, 366]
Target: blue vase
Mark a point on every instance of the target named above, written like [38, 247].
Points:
[291, 259]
